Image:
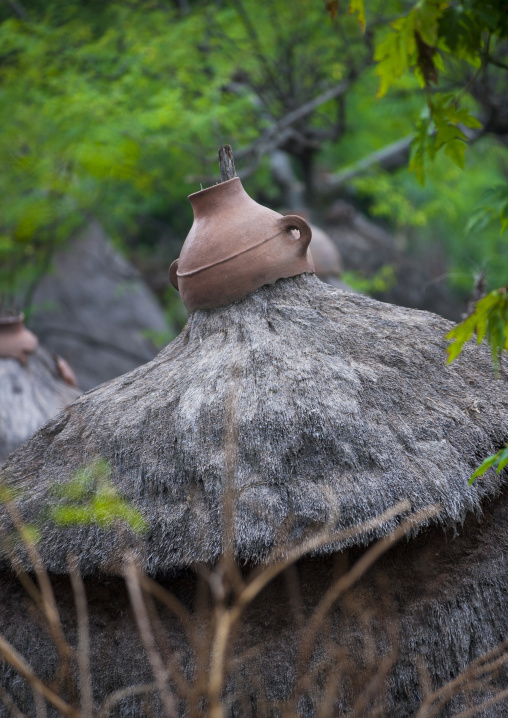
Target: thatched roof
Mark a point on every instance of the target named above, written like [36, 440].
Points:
[344, 406]
[30, 394]
[95, 310]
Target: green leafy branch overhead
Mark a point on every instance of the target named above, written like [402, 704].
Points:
[432, 32]
[492, 207]
[488, 320]
[418, 43]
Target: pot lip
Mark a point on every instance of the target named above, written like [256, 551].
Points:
[215, 187]
[12, 321]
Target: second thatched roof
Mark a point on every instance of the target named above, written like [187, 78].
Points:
[30, 394]
[341, 406]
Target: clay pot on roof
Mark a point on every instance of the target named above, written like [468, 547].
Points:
[343, 408]
[34, 385]
[236, 246]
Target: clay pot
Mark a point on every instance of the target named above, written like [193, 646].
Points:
[236, 246]
[16, 341]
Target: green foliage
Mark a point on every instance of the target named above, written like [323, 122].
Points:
[114, 109]
[492, 207]
[411, 44]
[357, 7]
[439, 128]
[500, 460]
[7, 493]
[390, 201]
[420, 41]
[489, 319]
[90, 498]
[431, 218]
[382, 281]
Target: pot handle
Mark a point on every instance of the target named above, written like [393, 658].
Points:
[172, 274]
[293, 221]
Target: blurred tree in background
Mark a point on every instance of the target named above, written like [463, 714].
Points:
[114, 109]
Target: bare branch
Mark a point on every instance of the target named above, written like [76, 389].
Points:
[480, 667]
[48, 598]
[390, 157]
[145, 631]
[8, 702]
[40, 705]
[482, 706]
[171, 601]
[122, 693]
[17, 661]
[18, 9]
[270, 139]
[348, 580]
[325, 538]
[78, 589]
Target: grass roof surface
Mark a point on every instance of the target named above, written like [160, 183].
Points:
[341, 407]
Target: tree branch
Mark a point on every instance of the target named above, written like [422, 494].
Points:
[18, 9]
[270, 138]
[391, 157]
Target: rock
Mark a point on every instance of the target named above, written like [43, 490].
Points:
[95, 310]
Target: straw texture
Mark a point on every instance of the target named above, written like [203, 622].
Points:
[30, 394]
[440, 600]
[343, 406]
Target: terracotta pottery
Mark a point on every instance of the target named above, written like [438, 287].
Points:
[236, 246]
[16, 341]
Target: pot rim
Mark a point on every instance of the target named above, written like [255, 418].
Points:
[201, 192]
[10, 321]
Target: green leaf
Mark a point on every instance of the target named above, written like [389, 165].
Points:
[500, 458]
[357, 7]
[490, 319]
[503, 460]
[456, 150]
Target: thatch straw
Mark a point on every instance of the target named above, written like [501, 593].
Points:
[430, 606]
[344, 407]
[30, 394]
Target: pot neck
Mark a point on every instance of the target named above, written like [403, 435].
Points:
[218, 198]
[11, 325]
